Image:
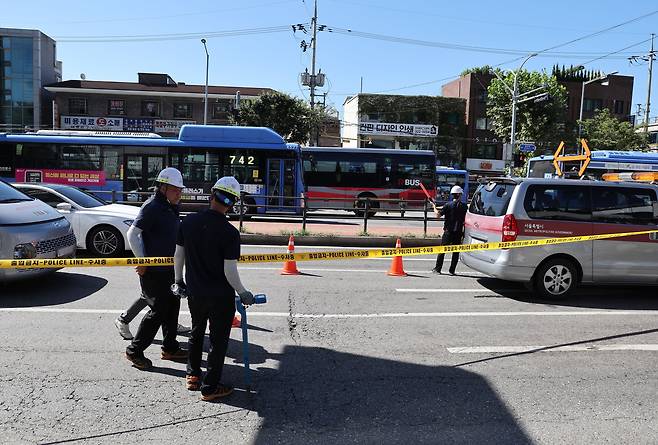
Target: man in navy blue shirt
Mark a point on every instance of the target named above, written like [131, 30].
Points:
[209, 248]
[153, 234]
[454, 214]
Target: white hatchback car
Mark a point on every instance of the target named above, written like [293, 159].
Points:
[99, 227]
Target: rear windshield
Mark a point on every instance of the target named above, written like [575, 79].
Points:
[9, 194]
[492, 199]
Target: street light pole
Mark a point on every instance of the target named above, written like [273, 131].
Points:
[205, 94]
[582, 98]
[515, 98]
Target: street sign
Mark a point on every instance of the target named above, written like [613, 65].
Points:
[584, 158]
[527, 148]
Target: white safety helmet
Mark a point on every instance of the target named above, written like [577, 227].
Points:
[170, 176]
[456, 190]
[226, 190]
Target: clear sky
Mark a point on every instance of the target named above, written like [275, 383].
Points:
[440, 40]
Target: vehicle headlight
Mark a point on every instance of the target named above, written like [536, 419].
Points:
[128, 222]
[25, 251]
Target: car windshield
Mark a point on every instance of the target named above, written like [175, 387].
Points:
[10, 194]
[83, 199]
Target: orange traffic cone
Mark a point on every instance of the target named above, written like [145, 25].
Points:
[396, 269]
[290, 267]
[236, 322]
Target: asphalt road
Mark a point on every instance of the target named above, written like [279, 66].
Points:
[342, 354]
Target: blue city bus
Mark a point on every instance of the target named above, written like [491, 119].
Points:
[601, 161]
[268, 168]
[447, 178]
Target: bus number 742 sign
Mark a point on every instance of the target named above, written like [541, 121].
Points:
[584, 157]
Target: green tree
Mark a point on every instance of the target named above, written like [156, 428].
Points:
[541, 122]
[291, 117]
[606, 132]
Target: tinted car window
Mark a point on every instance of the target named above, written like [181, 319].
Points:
[81, 198]
[492, 199]
[619, 205]
[49, 198]
[560, 202]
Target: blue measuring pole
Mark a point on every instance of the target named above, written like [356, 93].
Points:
[258, 299]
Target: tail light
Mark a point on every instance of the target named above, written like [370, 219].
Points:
[510, 228]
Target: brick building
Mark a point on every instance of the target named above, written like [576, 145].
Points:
[156, 103]
[484, 151]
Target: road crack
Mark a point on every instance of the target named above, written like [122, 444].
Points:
[292, 324]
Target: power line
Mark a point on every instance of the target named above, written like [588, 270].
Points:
[461, 47]
[174, 36]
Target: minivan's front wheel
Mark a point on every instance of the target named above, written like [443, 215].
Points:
[556, 279]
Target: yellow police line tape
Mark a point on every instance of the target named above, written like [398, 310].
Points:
[313, 256]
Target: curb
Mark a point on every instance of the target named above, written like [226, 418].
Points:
[340, 241]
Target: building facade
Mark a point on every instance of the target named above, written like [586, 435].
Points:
[484, 151]
[155, 104]
[408, 123]
[28, 61]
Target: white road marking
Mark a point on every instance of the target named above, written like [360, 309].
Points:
[450, 291]
[548, 348]
[253, 313]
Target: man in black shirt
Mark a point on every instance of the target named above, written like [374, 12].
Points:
[453, 227]
[209, 248]
[153, 234]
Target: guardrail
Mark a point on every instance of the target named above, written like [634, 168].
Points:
[363, 209]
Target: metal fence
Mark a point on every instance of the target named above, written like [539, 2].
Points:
[363, 209]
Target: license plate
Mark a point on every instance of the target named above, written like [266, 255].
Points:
[65, 251]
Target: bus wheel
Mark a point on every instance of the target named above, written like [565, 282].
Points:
[104, 241]
[556, 279]
[360, 205]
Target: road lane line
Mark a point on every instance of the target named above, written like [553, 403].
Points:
[450, 291]
[606, 312]
[548, 348]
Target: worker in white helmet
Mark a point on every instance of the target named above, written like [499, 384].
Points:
[153, 234]
[209, 247]
[454, 213]
[168, 179]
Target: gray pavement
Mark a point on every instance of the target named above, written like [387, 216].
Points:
[341, 354]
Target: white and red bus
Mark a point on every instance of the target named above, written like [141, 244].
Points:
[341, 178]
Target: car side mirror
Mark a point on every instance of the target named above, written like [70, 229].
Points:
[64, 206]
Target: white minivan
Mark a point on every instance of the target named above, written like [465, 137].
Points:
[31, 229]
[509, 209]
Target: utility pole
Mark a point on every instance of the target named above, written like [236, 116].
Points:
[315, 44]
[652, 56]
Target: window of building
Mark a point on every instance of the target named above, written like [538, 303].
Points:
[618, 205]
[150, 108]
[482, 96]
[619, 107]
[183, 111]
[222, 108]
[77, 105]
[483, 123]
[560, 202]
[116, 107]
[482, 151]
[592, 104]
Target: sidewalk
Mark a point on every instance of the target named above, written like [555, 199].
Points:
[339, 234]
